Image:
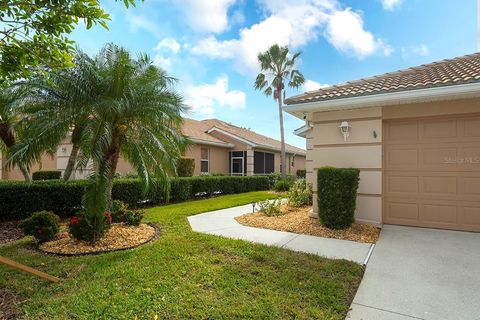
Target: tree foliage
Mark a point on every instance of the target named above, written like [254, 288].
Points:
[34, 32]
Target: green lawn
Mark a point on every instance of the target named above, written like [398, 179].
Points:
[185, 275]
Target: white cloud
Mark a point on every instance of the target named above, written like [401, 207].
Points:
[311, 85]
[206, 98]
[391, 4]
[345, 32]
[162, 62]
[168, 44]
[207, 15]
[294, 23]
[138, 22]
[421, 50]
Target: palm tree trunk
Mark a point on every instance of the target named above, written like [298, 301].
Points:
[283, 159]
[72, 159]
[26, 174]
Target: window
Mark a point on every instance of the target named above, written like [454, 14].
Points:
[238, 163]
[263, 162]
[204, 160]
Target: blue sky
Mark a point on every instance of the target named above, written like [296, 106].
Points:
[211, 45]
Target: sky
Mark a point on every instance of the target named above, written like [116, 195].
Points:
[210, 46]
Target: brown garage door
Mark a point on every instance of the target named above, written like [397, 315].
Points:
[432, 172]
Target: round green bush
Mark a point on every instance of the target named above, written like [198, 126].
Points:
[43, 225]
[133, 217]
[89, 229]
[337, 195]
[282, 185]
[118, 209]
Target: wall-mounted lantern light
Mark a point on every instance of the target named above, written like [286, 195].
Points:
[345, 129]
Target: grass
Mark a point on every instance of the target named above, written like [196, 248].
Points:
[185, 275]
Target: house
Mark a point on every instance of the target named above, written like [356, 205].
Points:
[220, 147]
[216, 146]
[415, 136]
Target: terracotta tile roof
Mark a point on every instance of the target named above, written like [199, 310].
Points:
[198, 130]
[255, 138]
[460, 70]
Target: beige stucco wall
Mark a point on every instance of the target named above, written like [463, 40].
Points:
[48, 162]
[362, 150]
[325, 145]
[218, 158]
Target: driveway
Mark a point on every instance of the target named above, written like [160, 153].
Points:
[417, 273]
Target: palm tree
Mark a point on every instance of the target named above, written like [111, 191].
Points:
[11, 126]
[136, 114]
[276, 68]
[59, 107]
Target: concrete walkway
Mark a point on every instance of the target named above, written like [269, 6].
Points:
[417, 273]
[222, 223]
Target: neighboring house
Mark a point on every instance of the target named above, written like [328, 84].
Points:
[415, 136]
[217, 147]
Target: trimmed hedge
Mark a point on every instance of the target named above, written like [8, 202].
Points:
[19, 199]
[337, 195]
[46, 175]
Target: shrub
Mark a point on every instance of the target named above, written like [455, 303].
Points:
[300, 194]
[301, 173]
[20, 199]
[337, 194]
[83, 229]
[185, 167]
[46, 175]
[133, 217]
[43, 225]
[118, 210]
[282, 185]
[270, 208]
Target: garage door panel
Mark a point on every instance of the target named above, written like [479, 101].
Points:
[439, 130]
[401, 157]
[403, 210]
[470, 215]
[439, 186]
[401, 132]
[471, 128]
[433, 180]
[439, 213]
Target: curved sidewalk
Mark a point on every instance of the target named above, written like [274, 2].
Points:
[222, 223]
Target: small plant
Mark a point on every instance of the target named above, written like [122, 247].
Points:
[282, 185]
[270, 208]
[301, 173]
[118, 209]
[43, 225]
[185, 167]
[133, 217]
[81, 228]
[300, 194]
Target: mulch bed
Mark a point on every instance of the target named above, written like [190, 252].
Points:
[9, 306]
[9, 232]
[298, 220]
[119, 237]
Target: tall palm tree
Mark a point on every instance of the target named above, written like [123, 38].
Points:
[59, 107]
[11, 126]
[277, 67]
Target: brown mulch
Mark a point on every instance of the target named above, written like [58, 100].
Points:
[120, 236]
[9, 306]
[298, 220]
[9, 232]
